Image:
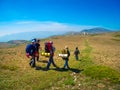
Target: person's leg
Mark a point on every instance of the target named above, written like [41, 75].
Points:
[66, 61]
[67, 65]
[49, 62]
[38, 58]
[32, 61]
[76, 56]
[53, 62]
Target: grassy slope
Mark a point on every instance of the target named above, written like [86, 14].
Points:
[98, 67]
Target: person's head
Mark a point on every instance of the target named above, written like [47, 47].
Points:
[66, 47]
[51, 42]
[76, 47]
[33, 41]
[38, 41]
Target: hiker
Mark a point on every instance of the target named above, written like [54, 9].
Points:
[66, 50]
[76, 53]
[51, 50]
[30, 51]
[37, 47]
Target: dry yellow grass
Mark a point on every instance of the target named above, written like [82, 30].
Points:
[16, 73]
[106, 51]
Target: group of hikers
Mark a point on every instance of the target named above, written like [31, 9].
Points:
[32, 50]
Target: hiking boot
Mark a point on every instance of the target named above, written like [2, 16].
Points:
[63, 68]
[46, 69]
[68, 67]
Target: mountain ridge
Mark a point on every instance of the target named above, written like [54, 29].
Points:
[46, 34]
[97, 30]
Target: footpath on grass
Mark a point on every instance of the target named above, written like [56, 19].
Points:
[94, 71]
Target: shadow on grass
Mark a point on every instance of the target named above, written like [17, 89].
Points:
[71, 69]
[59, 69]
[43, 61]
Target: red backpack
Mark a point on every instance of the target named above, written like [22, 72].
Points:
[48, 47]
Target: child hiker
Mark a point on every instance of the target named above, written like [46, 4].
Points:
[76, 53]
[66, 58]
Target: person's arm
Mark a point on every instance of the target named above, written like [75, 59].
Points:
[68, 53]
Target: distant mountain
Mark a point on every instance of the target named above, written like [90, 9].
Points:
[71, 33]
[95, 31]
[28, 35]
[16, 42]
[12, 43]
[45, 34]
[89, 31]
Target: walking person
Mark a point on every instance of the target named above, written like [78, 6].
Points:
[66, 58]
[37, 47]
[51, 50]
[76, 53]
[30, 51]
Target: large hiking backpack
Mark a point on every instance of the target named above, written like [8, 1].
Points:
[30, 49]
[48, 47]
[64, 51]
[64, 54]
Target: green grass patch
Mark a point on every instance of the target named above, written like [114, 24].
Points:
[11, 68]
[102, 72]
[116, 39]
[117, 35]
[69, 81]
[86, 58]
[97, 72]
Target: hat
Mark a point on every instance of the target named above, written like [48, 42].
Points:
[33, 40]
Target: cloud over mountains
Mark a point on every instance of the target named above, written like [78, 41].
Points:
[30, 26]
[25, 30]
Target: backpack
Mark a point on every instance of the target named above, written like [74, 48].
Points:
[64, 54]
[48, 47]
[77, 52]
[30, 49]
[64, 51]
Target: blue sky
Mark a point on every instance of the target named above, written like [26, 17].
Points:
[67, 15]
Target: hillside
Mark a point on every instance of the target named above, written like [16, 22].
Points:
[12, 43]
[28, 35]
[97, 69]
[46, 34]
[96, 30]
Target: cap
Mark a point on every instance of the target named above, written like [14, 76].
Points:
[33, 40]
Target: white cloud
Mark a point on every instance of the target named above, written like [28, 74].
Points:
[29, 26]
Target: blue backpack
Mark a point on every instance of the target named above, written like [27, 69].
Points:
[30, 49]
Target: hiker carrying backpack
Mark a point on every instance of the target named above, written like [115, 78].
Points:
[30, 51]
[49, 48]
[66, 51]
[76, 53]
